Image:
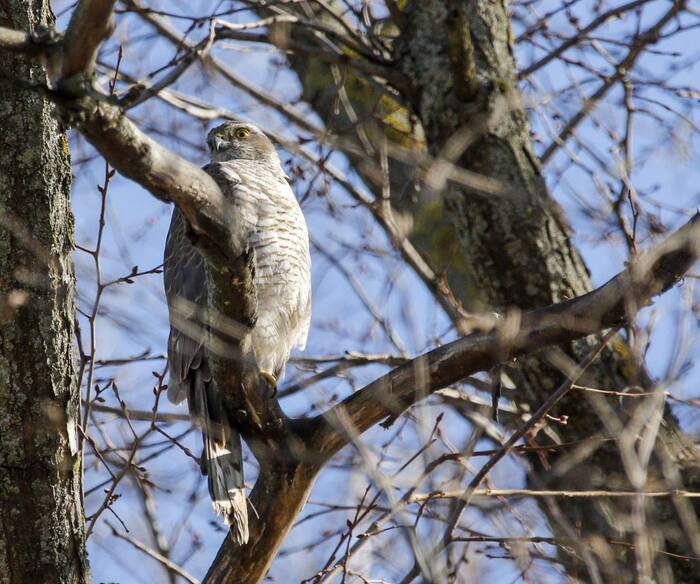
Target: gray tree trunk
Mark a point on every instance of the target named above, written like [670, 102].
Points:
[42, 536]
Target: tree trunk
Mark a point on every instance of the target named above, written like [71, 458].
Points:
[42, 536]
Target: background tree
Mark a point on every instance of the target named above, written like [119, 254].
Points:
[412, 153]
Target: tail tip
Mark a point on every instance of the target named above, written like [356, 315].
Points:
[235, 514]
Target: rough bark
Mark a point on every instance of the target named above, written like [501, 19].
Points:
[41, 518]
[517, 251]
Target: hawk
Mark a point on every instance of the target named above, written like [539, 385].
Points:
[246, 167]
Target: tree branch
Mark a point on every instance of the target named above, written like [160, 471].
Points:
[165, 175]
[90, 24]
[279, 495]
[613, 304]
[580, 36]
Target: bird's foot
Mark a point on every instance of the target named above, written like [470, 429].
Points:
[271, 383]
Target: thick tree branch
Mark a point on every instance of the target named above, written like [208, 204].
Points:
[613, 304]
[278, 498]
[167, 176]
[313, 442]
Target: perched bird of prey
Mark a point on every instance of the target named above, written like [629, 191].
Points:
[246, 167]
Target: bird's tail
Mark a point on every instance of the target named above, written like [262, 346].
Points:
[225, 472]
[222, 458]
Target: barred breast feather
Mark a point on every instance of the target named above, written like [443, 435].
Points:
[278, 234]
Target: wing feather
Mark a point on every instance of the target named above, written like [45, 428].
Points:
[185, 281]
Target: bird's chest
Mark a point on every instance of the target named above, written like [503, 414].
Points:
[278, 231]
[278, 242]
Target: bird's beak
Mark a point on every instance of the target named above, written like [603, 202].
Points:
[220, 143]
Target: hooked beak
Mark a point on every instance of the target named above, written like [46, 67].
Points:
[220, 143]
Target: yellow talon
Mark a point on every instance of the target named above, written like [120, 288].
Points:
[271, 381]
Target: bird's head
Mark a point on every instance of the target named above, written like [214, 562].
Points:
[240, 140]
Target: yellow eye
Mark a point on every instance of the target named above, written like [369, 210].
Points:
[242, 133]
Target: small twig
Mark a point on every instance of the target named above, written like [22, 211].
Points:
[169, 564]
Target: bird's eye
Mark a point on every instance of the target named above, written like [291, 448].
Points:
[242, 133]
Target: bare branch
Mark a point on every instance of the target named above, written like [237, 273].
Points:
[610, 305]
[165, 175]
[583, 33]
[90, 24]
[649, 37]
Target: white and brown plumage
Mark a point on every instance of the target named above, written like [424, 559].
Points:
[246, 167]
